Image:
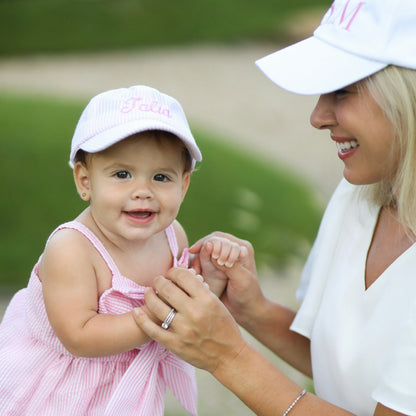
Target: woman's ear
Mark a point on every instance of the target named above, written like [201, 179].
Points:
[82, 180]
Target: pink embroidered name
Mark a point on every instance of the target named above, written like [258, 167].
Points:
[138, 104]
[342, 16]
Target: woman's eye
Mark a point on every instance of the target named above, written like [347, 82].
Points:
[159, 177]
[122, 174]
[350, 89]
[340, 92]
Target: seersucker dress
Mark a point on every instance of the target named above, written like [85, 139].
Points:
[39, 377]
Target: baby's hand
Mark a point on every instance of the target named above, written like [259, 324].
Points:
[223, 252]
[218, 254]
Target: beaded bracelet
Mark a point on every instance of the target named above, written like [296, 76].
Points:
[301, 394]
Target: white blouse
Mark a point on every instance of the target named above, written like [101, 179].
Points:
[363, 342]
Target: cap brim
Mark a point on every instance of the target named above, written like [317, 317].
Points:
[314, 67]
[111, 136]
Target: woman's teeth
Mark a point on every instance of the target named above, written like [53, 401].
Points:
[345, 146]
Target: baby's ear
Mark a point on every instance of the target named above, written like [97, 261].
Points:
[186, 179]
[82, 180]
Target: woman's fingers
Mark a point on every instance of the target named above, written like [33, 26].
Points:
[150, 328]
[202, 332]
[156, 306]
[167, 295]
[178, 285]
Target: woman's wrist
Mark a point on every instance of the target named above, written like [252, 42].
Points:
[252, 315]
[260, 385]
[229, 368]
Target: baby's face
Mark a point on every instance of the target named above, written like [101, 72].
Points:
[136, 187]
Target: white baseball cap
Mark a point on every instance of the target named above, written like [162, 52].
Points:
[117, 114]
[354, 40]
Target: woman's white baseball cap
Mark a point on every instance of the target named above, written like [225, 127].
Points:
[117, 114]
[354, 40]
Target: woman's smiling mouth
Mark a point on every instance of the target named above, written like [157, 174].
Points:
[346, 146]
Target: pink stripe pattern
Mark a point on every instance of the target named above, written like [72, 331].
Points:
[38, 376]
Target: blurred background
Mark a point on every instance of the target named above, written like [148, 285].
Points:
[265, 177]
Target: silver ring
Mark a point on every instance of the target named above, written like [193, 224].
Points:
[166, 323]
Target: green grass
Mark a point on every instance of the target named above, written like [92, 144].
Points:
[230, 191]
[33, 26]
[240, 194]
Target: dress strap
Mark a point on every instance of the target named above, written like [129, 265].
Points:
[174, 248]
[173, 242]
[93, 239]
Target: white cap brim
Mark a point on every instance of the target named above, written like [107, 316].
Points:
[111, 136]
[314, 67]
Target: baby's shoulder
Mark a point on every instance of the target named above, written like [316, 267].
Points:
[67, 248]
[67, 240]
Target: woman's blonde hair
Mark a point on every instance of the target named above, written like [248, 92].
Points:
[394, 89]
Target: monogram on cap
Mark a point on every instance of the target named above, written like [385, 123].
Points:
[342, 15]
[137, 103]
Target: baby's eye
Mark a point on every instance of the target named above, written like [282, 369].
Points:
[122, 174]
[160, 177]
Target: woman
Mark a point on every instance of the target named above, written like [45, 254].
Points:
[355, 332]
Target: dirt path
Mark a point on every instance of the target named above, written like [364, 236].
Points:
[223, 92]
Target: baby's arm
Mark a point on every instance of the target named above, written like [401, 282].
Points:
[68, 271]
[217, 254]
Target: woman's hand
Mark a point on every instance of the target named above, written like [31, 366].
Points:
[202, 332]
[243, 296]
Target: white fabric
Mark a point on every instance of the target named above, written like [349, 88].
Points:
[363, 342]
[354, 40]
[116, 114]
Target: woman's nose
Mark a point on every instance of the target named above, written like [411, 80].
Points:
[323, 115]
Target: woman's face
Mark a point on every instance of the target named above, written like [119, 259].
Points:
[362, 132]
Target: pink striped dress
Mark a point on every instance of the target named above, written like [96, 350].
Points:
[38, 376]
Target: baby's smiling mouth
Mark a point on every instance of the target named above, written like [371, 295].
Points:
[140, 214]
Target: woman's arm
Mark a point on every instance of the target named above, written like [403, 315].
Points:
[205, 334]
[266, 390]
[267, 321]
[70, 290]
[271, 326]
